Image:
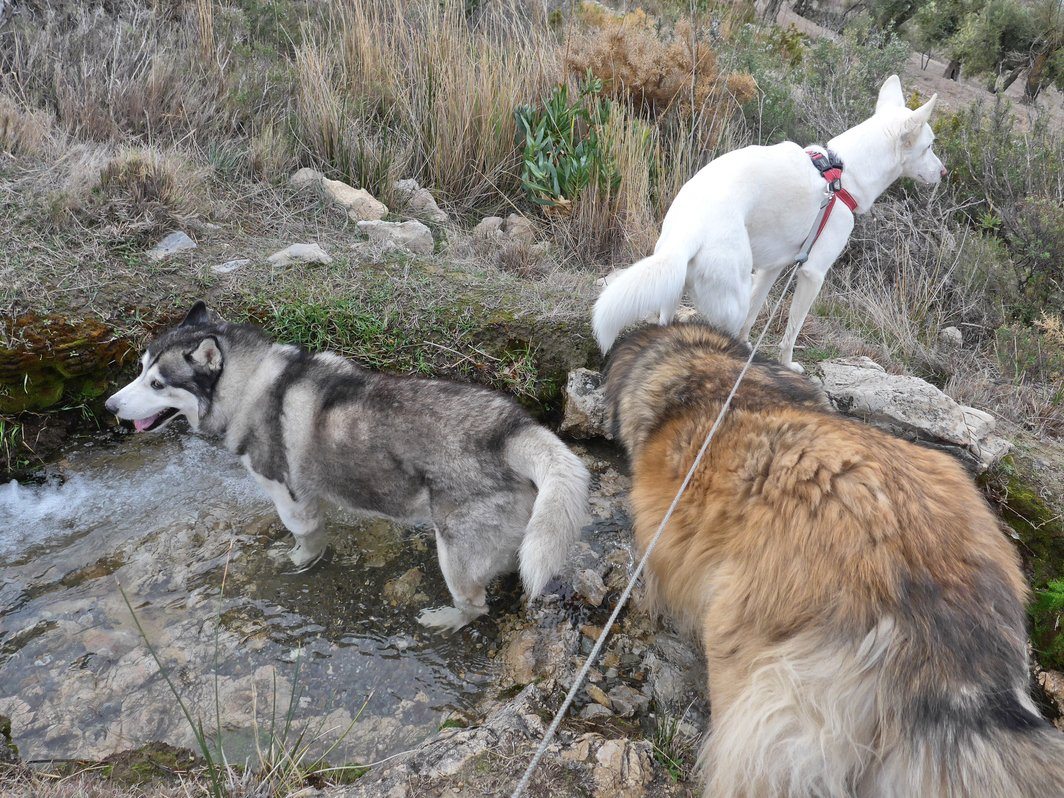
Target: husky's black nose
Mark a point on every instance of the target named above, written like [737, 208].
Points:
[111, 405]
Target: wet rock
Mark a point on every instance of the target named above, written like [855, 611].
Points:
[359, 203]
[230, 266]
[911, 407]
[411, 235]
[299, 253]
[404, 589]
[8, 750]
[306, 178]
[418, 201]
[584, 406]
[589, 584]
[950, 338]
[626, 701]
[623, 769]
[171, 244]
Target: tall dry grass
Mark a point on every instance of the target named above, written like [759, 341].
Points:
[419, 89]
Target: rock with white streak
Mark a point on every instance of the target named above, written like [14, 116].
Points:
[418, 201]
[912, 408]
[411, 235]
[359, 203]
[299, 253]
[171, 244]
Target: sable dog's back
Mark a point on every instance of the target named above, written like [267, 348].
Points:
[861, 611]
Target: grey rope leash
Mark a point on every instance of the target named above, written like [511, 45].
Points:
[522, 785]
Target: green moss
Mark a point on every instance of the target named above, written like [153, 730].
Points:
[1039, 531]
[151, 762]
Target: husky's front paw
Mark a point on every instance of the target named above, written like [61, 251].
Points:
[443, 619]
[306, 552]
[796, 367]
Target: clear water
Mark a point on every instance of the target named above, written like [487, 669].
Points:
[178, 525]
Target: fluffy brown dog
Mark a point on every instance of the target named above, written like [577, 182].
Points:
[862, 613]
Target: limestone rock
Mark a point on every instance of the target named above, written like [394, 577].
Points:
[1053, 684]
[626, 701]
[230, 266]
[624, 769]
[359, 203]
[584, 401]
[518, 228]
[911, 407]
[589, 585]
[171, 244]
[404, 589]
[306, 178]
[419, 201]
[951, 337]
[299, 253]
[410, 235]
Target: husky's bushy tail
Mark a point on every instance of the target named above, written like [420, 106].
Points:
[833, 720]
[560, 509]
[653, 285]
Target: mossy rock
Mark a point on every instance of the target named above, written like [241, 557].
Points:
[151, 762]
[8, 749]
[1039, 530]
[48, 358]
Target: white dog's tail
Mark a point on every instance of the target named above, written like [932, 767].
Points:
[652, 285]
[560, 509]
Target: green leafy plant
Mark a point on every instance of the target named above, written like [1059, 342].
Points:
[1047, 612]
[564, 149]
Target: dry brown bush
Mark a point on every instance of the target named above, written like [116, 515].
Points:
[654, 72]
[23, 132]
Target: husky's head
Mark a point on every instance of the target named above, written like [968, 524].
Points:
[177, 375]
[912, 131]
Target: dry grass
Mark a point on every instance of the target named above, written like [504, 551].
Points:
[415, 89]
[23, 132]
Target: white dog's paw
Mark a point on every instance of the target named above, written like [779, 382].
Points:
[796, 367]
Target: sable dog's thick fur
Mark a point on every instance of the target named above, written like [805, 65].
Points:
[862, 613]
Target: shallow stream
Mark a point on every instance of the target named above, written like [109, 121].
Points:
[167, 519]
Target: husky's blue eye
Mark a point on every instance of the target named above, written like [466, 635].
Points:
[157, 385]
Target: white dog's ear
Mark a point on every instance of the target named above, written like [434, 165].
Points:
[918, 118]
[207, 355]
[890, 95]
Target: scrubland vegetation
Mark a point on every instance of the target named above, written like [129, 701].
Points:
[127, 119]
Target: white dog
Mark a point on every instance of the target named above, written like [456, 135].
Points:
[751, 210]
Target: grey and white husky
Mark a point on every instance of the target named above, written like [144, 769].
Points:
[502, 492]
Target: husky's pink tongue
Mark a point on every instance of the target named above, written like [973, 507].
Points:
[141, 424]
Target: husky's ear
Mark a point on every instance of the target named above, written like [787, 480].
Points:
[890, 95]
[918, 118]
[207, 355]
[199, 315]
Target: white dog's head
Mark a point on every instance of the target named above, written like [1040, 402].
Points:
[177, 375]
[912, 131]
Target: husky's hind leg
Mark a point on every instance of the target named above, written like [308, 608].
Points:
[469, 592]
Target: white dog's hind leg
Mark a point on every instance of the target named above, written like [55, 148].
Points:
[720, 284]
[762, 284]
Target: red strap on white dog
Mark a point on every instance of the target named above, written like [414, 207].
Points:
[830, 167]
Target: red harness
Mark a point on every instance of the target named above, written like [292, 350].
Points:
[830, 168]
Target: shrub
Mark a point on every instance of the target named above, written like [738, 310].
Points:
[563, 148]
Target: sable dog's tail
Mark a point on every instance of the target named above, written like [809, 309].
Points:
[653, 285]
[560, 509]
[822, 717]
